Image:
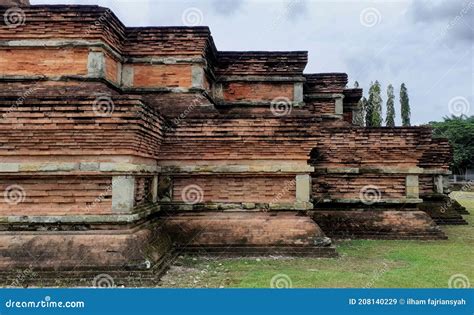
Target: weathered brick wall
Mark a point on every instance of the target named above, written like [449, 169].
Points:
[86, 126]
[272, 189]
[321, 107]
[112, 69]
[55, 195]
[426, 185]
[239, 139]
[350, 186]
[255, 91]
[261, 63]
[50, 62]
[143, 190]
[67, 22]
[162, 75]
[242, 229]
[358, 147]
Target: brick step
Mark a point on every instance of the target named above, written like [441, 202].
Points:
[462, 211]
[226, 251]
[450, 221]
[375, 236]
[83, 278]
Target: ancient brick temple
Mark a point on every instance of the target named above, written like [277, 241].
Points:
[120, 144]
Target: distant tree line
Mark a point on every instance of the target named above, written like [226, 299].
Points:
[459, 130]
[369, 111]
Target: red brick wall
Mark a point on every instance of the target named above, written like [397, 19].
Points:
[237, 189]
[257, 91]
[55, 195]
[111, 69]
[162, 75]
[240, 228]
[349, 186]
[49, 62]
[320, 107]
[64, 126]
[143, 190]
[426, 184]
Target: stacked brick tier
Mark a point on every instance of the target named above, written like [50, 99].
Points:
[64, 126]
[254, 233]
[62, 153]
[261, 63]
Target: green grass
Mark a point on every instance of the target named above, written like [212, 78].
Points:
[362, 263]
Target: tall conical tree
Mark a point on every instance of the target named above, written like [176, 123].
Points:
[390, 118]
[375, 103]
[369, 109]
[359, 119]
[405, 105]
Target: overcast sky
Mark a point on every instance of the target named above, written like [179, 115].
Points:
[428, 44]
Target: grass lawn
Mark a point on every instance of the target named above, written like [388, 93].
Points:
[362, 263]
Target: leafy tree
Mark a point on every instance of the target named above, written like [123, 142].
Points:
[405, 105]
[460, 133]
[358, 118]
[369, 109]
[374, 112]
[390, 118]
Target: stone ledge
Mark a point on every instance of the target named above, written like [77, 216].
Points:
[253, 78]
[77, 167]
[237, 207]
[382, 201]
[323, 96]
[80, 219]
[251, 251]
[377, 170]
[238, 168]
[250, 103]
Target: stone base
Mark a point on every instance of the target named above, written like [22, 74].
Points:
[137, 248]
[378, 224]
[459, 208]
[248, 233]
[443, 210]
[239, 251]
